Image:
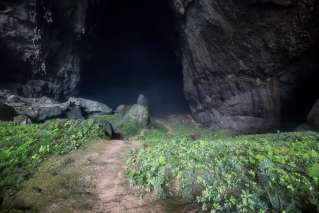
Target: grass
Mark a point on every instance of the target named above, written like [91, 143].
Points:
[24, 147]
[257, 173]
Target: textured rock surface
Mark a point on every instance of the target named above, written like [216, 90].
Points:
[313, 117]
[42, 37]
[90, 107]
[242, 59]
[41, 109]
[137, 114]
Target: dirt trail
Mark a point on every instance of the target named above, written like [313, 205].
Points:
[90, 180]
[111, 187]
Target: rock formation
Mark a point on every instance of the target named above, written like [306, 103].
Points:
[242, 60]
[42, 37]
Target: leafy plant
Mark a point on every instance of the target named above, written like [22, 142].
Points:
[24, 147]
[259, 173]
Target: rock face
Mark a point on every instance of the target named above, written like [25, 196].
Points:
[42, 39]
[313, 117]
[242, 59]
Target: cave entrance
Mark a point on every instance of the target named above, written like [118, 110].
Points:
[133, 48]
[12, 72]
[304, 94]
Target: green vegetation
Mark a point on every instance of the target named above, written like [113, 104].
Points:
[259, 173]
[24, 147]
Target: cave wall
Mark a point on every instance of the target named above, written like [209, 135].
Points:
[242, 59]
[44, 35]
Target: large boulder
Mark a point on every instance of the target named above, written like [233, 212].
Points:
[313, 117]
[137, 114]
[37, 109]
[90, 107]
[41, 109]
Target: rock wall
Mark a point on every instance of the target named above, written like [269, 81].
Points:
[242, 59]
[43, 35]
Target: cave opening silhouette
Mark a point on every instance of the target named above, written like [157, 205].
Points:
[133, 48]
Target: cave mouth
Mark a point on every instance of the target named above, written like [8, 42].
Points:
[305, 91]
[305, 95]
[12, 71]
[133, 49]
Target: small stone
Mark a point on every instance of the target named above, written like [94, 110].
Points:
[142, 100]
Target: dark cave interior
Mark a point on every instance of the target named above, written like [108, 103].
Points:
[12, 72]
[305, 92]
[132, 49]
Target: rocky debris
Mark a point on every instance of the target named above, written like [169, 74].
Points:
[22, 120]
[142, 100]
[7, 113]
[90, 107]
[313, 117]
[41, 109]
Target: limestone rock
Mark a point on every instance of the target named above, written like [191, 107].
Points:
[242, 59]
[137, 114]
[91, 107]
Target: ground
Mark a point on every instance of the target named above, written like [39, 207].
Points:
[92, 179]
[165, 168]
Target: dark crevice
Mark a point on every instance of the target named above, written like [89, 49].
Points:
[132, 50]
[305, 90]
[13, 72]
[3, 7]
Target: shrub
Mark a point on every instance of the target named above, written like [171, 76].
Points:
[261, 173]
[23, 147]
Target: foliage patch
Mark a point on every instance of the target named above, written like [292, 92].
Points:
[259, 173]
[24, 147]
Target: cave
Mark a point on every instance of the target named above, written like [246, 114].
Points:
[304, 92]
[12, 71]
[130, 49]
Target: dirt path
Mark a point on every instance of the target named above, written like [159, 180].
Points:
[112, 190]
[90, 180]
